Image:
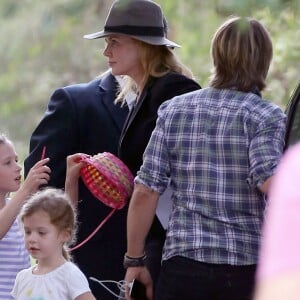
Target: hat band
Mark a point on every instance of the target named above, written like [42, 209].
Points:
[136, 30]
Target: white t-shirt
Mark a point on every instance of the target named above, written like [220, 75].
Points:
[64, 283]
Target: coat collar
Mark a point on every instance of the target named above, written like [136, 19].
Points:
[108, 87]
[139, 103]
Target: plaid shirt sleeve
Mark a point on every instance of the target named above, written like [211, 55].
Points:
[154, 172]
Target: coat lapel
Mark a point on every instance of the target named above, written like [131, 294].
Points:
[108, 89]
[135, 109]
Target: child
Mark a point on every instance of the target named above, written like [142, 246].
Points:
[14, 256]
[49, 223]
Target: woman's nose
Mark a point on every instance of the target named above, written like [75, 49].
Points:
[106, 51]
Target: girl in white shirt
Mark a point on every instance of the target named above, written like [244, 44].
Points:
[49, 223]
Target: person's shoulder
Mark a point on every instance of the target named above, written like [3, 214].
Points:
[194, 96]
[173, 84]
[70, 266]
[25, 273]
[72, 271]
[83, 85]
[268, 107]
[177, 77]
[103, 82]
[76, 90]
[251, 101]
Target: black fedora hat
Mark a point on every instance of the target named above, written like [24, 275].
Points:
[140, 19]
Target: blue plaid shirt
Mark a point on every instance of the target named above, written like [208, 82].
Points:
[217, 146]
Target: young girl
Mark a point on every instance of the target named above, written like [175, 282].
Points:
[49, 223]
[13, 255]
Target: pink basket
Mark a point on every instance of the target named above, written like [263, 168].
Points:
[108, 179]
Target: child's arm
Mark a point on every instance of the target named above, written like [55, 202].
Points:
[74, 165]
[37, 176]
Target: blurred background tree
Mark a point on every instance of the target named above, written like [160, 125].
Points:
[42, 48]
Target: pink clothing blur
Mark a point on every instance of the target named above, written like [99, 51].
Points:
[280, 250]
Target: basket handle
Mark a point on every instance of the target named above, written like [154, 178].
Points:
[95, 231]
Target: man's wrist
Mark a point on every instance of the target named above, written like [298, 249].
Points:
[129, 261]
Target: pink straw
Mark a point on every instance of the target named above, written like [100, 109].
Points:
[43, 153]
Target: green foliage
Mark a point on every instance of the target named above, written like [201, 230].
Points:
[42, 48]
[194, 23]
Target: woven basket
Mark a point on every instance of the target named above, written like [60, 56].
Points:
[107, 178]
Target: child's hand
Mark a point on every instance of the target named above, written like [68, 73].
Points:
[38, 175]
[74, 164]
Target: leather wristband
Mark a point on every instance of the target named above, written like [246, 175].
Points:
[129, 262]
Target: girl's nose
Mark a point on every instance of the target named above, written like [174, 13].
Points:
[30, 238]
[18, 167]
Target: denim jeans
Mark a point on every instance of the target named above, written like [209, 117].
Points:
[182, 278]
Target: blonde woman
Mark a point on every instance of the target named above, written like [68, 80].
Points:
[137, 47]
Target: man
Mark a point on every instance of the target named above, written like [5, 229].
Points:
[219, 147]
[83, 118]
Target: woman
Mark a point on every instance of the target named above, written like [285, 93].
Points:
[137, 46]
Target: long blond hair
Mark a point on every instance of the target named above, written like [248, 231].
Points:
[156, 61]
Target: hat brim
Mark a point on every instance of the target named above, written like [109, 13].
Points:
[152, 40]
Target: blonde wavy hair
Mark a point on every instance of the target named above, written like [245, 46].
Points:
[156, 61]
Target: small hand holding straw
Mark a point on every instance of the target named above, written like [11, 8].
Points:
[42, 157]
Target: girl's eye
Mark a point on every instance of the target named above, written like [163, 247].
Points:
[42, 233]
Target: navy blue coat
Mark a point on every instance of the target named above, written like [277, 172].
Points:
[83, 118]
[141, 121]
